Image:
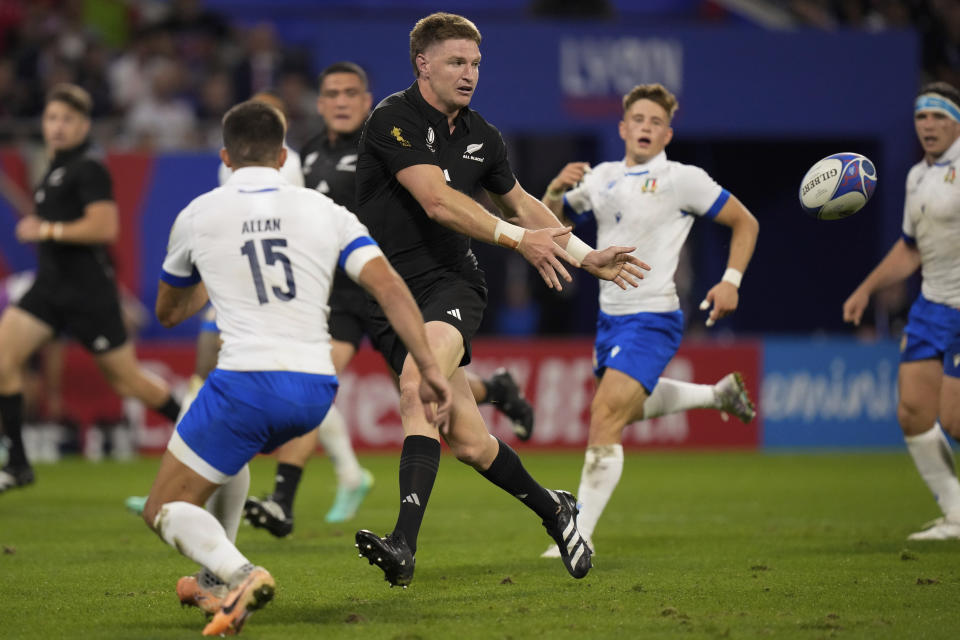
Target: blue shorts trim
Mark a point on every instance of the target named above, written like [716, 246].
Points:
[932, 331]
[639, 345]
[238, 414]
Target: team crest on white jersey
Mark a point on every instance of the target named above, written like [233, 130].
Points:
[649, 185]
[951, 174]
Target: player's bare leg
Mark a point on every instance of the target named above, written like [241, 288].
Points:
[129, 379]
[920, 387]
[21, 334]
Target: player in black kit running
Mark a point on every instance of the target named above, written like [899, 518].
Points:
[74, 291]
[422, 150]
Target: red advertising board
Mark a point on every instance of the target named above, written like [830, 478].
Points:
[556, 376]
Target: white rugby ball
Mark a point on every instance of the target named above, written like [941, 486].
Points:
[838, 186]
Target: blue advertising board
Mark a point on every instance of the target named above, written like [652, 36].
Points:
[830, 393]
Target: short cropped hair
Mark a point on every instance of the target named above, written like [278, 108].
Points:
[655, 92]
[253, 133]
[73, 96]
[944, 89]
[344, 66]
[438, 27]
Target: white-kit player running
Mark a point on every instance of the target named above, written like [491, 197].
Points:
[265, 252]
[929, 377]
[649, 202]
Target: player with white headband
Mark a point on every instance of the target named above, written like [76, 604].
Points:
[929, 378]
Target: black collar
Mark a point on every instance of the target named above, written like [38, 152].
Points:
[342, 141]
[436, 117]
[66, 155]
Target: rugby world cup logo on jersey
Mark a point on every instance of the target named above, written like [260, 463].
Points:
[431, 140]
[472, 149]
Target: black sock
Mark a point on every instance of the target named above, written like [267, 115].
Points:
[170, 409]
[11, 414]
[419, 462]
[285, 488]
[507, 472]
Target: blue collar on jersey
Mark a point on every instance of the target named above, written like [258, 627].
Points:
[934, 102]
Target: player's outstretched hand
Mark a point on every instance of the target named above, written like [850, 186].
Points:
[854, 307]
[616, 265]
[724, 297]
[436, 396]
[539, 248]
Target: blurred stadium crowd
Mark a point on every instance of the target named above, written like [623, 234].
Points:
[175, 66]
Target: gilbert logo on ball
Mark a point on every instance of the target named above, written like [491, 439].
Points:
[837, 186]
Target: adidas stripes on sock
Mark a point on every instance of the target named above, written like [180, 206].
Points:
[419, 462]
[285, 486]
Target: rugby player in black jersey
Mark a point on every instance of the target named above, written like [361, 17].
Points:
[422, 151]
[75, 291]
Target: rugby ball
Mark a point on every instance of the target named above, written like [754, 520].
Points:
[838, 186]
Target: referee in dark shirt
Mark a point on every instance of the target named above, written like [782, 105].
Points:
[74, 291]
[422, 152]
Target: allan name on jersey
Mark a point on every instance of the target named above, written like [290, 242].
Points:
[261, 224]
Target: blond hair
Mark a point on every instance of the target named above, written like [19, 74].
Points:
[655, 92]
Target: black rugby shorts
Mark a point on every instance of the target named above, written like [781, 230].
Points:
[449, 298]
[90, 315]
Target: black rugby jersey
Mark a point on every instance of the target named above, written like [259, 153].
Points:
[404, 130]
[75, 179]
[331, 169]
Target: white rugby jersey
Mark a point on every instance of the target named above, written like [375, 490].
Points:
[650, 206]
[291, 171]
[267, 252]
[931, 222]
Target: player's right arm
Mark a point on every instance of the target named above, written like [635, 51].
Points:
[180, 292]
[381, 281]
[899, 264]
[463, 214]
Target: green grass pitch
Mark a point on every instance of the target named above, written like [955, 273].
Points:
[697, 545]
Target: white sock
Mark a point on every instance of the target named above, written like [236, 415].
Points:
[194, 532]
[934, 459]
[226, 503]
[333, 435]
[671, 396]
[602, 467]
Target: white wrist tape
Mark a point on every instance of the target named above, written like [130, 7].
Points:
[577, 248]
[507, 231]
[732, 276]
